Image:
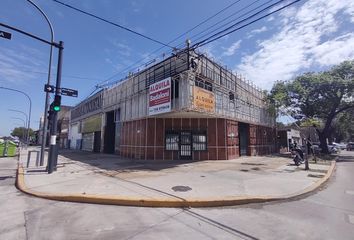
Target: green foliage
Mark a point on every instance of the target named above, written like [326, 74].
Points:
[21, 132]
[344, 127]
[318, 97]
[310, 122]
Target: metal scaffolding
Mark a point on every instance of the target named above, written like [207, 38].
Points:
[235, 98]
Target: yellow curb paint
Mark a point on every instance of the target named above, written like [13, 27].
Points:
[178, 203]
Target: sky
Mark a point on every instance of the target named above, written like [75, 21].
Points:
[309, 36]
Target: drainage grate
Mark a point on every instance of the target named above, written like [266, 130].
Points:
[253, 164]
[315, 175]
[181, 188]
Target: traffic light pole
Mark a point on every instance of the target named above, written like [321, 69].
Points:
[52, 156]
[53, 149]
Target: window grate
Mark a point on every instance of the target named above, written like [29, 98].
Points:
[199, 142]
[172, 141]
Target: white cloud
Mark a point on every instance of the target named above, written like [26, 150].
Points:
[305, 39]
[19, 66]
[334, 51]
[232, 49]
[350, 10]
[259, 30]
[122, 48]
[271, 18]
[256, 31]
[208, 50]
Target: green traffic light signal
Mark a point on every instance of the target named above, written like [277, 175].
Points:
[56, 103]
[56, 108]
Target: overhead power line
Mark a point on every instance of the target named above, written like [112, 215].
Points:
[217, 28]
[206, 20]
[222, 20]
[112, 23]
[224, 32]
[178, 37]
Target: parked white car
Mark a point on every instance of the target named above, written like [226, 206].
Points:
[340, 146]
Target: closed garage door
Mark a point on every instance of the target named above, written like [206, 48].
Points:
[87, 141]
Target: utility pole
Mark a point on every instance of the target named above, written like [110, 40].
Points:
[29, 99]
[44, 129]
[306, 155]
[53, 149]
[60, 46]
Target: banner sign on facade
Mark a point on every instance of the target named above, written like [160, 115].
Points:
[160, 97]
[203, 100]
[91, 124]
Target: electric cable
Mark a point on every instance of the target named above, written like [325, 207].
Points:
[178, 37]
[112, 23]
[204, 21]
[240, 10]
[231, 21]
[215, 37]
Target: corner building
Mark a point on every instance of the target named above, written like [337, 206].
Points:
[184, 107]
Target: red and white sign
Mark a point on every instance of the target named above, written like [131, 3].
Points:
[160, 97]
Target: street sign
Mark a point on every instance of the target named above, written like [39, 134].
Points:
[69, 92]
[49, 88]
[6, 35]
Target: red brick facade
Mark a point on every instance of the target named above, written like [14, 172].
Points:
[145, 138]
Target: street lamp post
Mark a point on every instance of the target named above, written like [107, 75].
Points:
[27, 135]
[30, 103]
[45, 122]
[52, 156]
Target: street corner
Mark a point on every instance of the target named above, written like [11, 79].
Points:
[320, 177]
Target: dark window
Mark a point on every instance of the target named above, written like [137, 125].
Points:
[117, 115]
[231, 96]
[199, 142]
[174, 88]
[204, 84]
[171, 141]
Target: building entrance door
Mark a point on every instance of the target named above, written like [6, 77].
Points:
[97, 142]
[185, 151]
[109, 133]
[243, 130]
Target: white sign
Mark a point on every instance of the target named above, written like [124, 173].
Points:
[160, 97]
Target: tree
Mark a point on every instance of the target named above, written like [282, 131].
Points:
[21, 133]
[344, 126]
[318, 97]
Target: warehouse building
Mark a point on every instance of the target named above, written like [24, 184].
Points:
[86, 124]
[184, 107]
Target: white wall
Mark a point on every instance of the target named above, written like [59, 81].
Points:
[74, 136]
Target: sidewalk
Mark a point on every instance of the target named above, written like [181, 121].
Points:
[109, 179]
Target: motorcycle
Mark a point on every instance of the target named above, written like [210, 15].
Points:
[298, 156]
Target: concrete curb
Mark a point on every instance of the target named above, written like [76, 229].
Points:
[168, 202]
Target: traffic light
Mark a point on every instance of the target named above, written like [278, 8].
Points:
[50, 112]
[50, 115]
[56, 103]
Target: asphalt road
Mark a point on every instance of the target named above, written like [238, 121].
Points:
[326, 214]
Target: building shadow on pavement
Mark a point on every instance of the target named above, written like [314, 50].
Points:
[112, 162]
[345, 159]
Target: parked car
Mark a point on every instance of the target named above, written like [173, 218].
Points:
[350, 146]
[316, 148]
[332, 149]
[340, 146]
